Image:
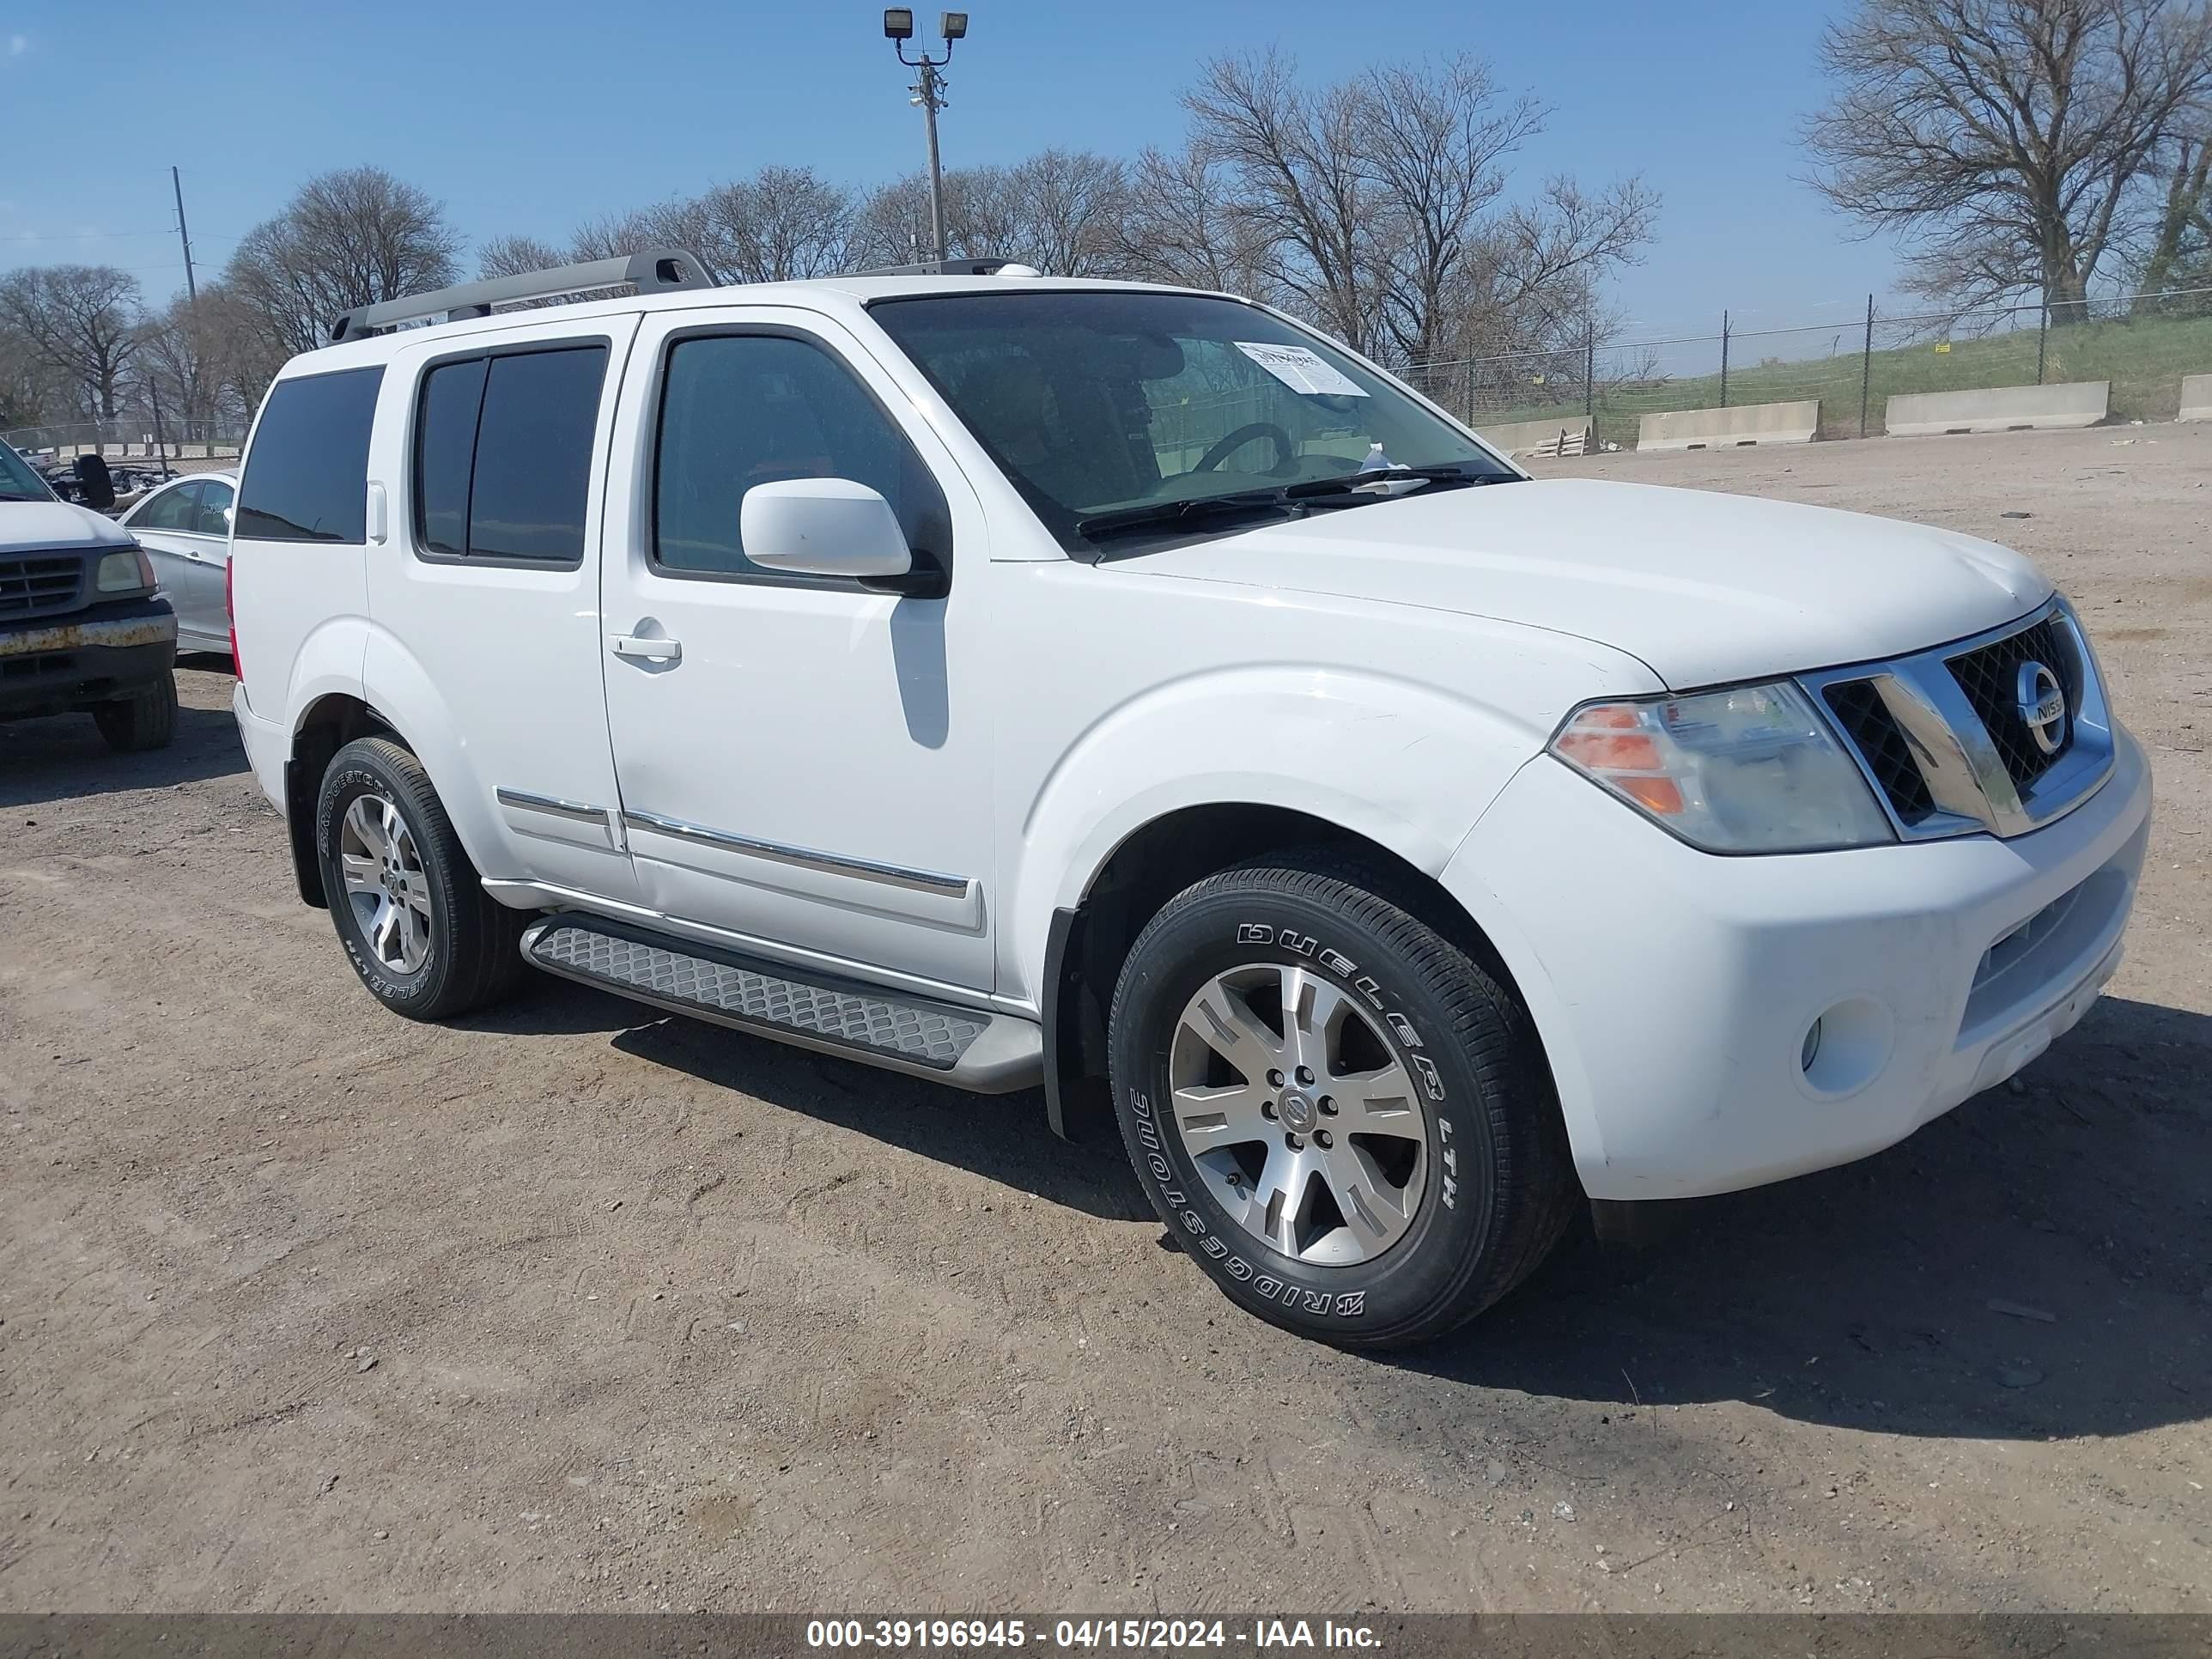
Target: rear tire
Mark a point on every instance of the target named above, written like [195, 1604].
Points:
[1348, 1123]
[148, 720]
[408, 904]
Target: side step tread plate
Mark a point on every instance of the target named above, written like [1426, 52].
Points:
[869, 1023]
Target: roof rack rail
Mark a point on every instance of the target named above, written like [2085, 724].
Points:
[984, 267]
[653, 271]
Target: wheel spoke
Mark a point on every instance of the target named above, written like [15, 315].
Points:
[364, 822]
[1372, 1205]
[1221, 1018]
[360, 871]
[414, 888]
[1381, 1103]
[1279, 1198]
[1225, 1116]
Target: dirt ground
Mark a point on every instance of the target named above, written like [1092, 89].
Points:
[573, 1306]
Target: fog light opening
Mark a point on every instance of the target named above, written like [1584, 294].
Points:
[1845, 1048]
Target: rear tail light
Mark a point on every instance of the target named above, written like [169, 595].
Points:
[230, 613]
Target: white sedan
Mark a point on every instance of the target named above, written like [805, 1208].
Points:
[185, 527]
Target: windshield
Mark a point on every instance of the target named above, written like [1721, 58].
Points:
[1108, 402]
[17, 482]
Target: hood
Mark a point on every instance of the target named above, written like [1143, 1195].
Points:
[56, 524]
[1705, 587]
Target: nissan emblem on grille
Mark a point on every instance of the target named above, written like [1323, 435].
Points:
[2042, 703]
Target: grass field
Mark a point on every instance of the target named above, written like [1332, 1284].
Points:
[2144, 359]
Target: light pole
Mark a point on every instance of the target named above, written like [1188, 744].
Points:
[929, 93]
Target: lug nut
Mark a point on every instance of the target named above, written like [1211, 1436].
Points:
[1274, 1079]
[1329, 1104]
[1267, 1109]
[1293, 1142]
[1321, 1139]
[1305, 1074]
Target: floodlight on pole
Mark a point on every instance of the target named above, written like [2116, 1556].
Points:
[928, 91]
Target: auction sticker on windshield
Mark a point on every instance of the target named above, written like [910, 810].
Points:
[1301, 368]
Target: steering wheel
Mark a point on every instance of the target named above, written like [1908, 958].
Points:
[1285, 447]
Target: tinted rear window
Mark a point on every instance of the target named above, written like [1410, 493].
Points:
[534, 454]
[503, 454]
[307, 475]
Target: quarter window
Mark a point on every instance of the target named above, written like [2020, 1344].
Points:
[737, 411]
[306, 470]
[213, 518]
[503, 454]
[175, 509]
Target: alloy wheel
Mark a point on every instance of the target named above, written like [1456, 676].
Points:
[1300, 1113]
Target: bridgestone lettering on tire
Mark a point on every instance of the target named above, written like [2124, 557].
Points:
[1349, 1124]
[409, 906]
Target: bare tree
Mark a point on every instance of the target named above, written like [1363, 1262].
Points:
[2007, 142]
[352, 238]
[1295, 155]
[779, 225]
[1183, 222]
[2180, 253]
[82, 321]
[516, 256]
[32, 392]
[1379, 205]
[185, 358]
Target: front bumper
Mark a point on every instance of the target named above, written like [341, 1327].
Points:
[1675, 989]
[56, 664]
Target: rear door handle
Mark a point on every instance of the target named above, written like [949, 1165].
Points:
[644, 650]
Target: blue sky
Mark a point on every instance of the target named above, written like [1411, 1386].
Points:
[528, 119]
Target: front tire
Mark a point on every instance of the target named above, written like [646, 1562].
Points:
[409, 906]
[1349, 1123]
[147, 720]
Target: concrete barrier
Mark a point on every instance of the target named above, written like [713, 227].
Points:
[1998, 408]
[1727, 429]
[2195, 397]
[1528, 437]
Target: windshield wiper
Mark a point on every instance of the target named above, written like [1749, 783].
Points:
[1156, 515]
[1359, 483]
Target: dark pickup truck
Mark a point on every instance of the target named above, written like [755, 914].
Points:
[81, 625]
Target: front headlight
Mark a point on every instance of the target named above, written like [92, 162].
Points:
[1751, 769]
[127, 570]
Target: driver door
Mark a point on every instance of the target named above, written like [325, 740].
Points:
[802, 761]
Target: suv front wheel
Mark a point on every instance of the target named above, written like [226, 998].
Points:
[410, 908]
[1348, 1122]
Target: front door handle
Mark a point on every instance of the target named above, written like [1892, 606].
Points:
[645, 650]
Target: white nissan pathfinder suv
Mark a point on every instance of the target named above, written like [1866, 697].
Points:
[1016, 681]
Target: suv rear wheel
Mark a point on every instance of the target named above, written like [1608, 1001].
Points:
[409, 906]
[1348, 1122]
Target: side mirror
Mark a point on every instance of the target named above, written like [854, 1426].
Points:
[825, 527]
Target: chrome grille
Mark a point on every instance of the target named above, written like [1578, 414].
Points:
[1990, 679]
[1869, 724]
[1942, 739]
[39, 584]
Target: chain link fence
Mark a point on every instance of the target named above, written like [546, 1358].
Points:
[129, 437]
[2142, 344]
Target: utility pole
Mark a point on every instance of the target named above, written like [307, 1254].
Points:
[928, 91]
[191, 288]
[1724, 346]
[1866, 367]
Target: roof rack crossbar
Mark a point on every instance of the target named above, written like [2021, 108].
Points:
[983, 267]
[651, 271]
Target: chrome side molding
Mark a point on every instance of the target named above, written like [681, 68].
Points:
[834, 864]
[575, 811]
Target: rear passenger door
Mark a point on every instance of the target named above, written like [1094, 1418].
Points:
[485, 594]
